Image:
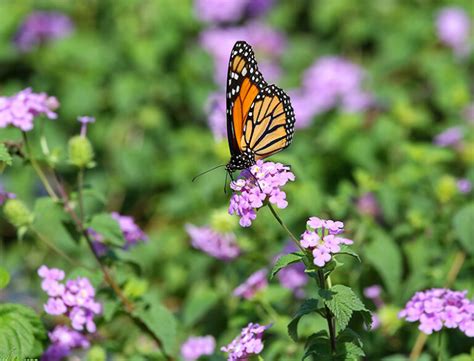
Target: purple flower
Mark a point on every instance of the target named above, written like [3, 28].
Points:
[63, 341]
[195, 347]
[367, 205]
[225, 11]
[248, 196]
[439, 307]
[293, 276]
[374, 293]
[451, 137]
[331, 81]
[464, 185]
[75, 298]
[20, 109]
[453, 27]
[248, 343]
[222, 246]
[4, 195]
[84, 120]
[42, 26]
[322, 240]
[267, 43]
[252, 285]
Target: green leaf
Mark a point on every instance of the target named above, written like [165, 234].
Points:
[198, 303]
[342, 303]
[20, 332]
[108, 227]
[162, 323]
[463, 223]
[284, 261]
[384, 254]
[346, 250]
[318, 346]
[348, 351]
[5, 156]
[4, 278]
[308, 306]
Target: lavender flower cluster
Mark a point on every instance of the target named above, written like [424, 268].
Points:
[439, 307]
[253, 284]
[21, 109]
[74, 299]
[222, 246]
[132, 233]
[331, 81]
[453, 27]
[225, 11]
[248, 343]
[260, 183]
[195, 347]
[293, 276]
[42, 26]
[321, 239]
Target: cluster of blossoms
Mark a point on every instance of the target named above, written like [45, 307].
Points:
[248, 343]
[453, 27]
[293, 276]
[21, 109]
[374, 293]
[225, 11]
[131, 232]
[451, 137]
[256, 185]
[74, 299]
[464, 185]
[440, 307]
[253, 284]
[222, 246]
[63, 340]
[368, 205]
[321, 238]
[42, 26]
[331, 81]
[195, 347]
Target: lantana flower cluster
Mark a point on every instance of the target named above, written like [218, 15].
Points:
[322, 239]
[224, 11]
[248, 343]
[219, 245]
[440, 307]
[74, 299]
[293, 276]
[453, 28]
[253, 284]
[42, 26]
[260, 183]
[21, 109]
[195, 347]
[132, 233]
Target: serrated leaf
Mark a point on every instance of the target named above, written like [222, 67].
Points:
[384, 254]
[348, 351]
[463, 223]
[308, 306]
[20, 328]
[284, 261]
[342, 303]
[162, 323]
[4, 278]
[5, 155]
[108, 227]
[318, 346]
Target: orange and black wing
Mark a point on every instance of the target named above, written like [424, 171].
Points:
[270, 123]
[244, 83]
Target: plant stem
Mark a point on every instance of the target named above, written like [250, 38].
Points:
[38, 169]
[80, 185]
[329, 316]
[279, 220]
[452, 274]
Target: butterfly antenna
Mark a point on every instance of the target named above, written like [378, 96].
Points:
[207, 171]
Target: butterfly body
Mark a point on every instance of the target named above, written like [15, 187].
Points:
[260, 118]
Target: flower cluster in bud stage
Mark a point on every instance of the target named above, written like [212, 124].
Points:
[195, 347]
[440, 307]
[260, 183]
[21, 109]
[74, 299]
[132, 233]
[253, 284]
[222, 246]
[322, 239]
[248, 343]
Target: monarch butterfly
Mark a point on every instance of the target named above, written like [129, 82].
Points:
[260, 118]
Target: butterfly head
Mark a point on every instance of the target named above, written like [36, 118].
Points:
[240, 161]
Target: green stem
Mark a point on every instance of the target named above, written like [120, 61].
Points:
[329, 316]
[279, 220]
[80, 186]
[38, 169]
[440, 345]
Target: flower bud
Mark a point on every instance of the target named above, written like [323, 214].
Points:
[446, 188]
[17, 213]
[389, 319]
[81, 153]
[96, 353]
[222, 221]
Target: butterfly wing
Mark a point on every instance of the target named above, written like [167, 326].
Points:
[244, 82]
[269, 125]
